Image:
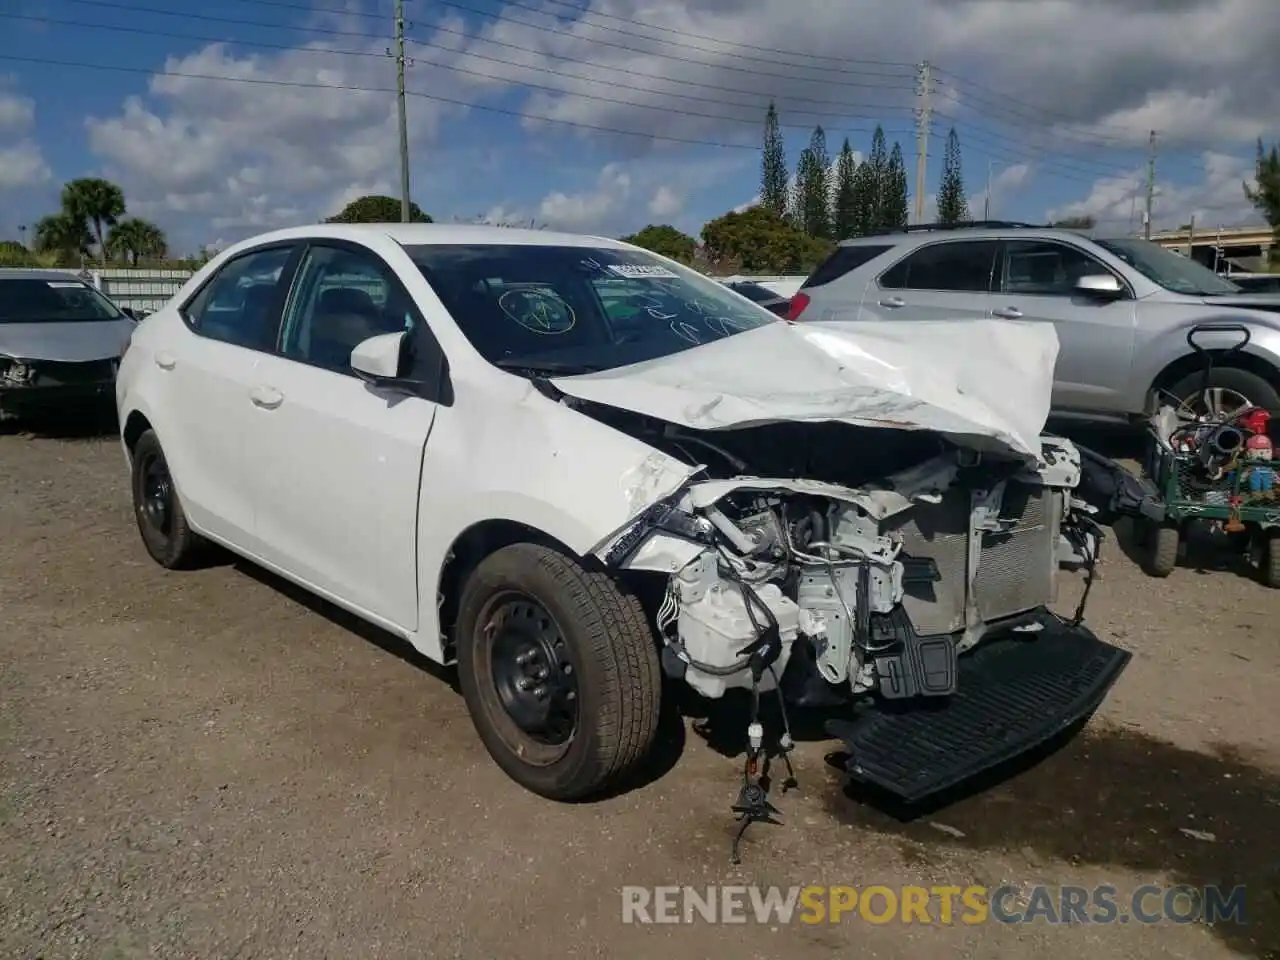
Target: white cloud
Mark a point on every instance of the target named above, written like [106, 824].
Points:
[1005, 182]
[244, 156]
[665, 202]
[1218, 198]
[588, 210]
[22, 163]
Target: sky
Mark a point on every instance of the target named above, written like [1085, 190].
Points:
[224, 120]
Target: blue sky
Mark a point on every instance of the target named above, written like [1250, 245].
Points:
[1053, 98]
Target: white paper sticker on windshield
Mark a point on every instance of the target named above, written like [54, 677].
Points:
[642, 271]
[63, 284]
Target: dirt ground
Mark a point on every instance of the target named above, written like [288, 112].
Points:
[211, 765]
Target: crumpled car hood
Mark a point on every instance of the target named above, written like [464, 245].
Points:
[66, 342]
[986, 384]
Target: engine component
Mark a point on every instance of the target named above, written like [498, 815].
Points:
[714, 625]
[828, 598]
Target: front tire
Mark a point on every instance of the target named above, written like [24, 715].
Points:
[1269, 568]
[1229, 389]
[1163, 548]
[162, 523]
[559, 671]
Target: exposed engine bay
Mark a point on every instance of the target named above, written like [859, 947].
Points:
[829, 563]
[879, 581]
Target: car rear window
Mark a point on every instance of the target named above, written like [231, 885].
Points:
[844, 260]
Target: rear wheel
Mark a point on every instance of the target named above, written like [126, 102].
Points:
[1162, 543]
[156, 507]
[1270, 566]
[559, 670]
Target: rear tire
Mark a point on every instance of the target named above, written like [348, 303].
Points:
[1270, 566]
[1163, 545]
[1243, 384]
[162, 523]
[559, 670]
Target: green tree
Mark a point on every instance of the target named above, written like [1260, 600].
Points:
[1266, 195]
[773, 166]
[846, 212]
[813, 187]
[377, 209]
[878, 180]
[864, 199]
[62, 235]
[758, 240]
[894, 210]
[95, 202]
[1075, 223]
[137, 239]
[666, 240]
[953, 206]
[14, 254]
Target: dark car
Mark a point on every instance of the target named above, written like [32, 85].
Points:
[1256, 282]
[60, 342]
[761, 295]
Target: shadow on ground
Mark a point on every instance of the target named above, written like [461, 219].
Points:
[1205, 551]
[1116, 797]
[78, 425]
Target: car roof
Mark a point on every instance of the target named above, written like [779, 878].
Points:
[31, 273]
[412, 234]
[992, 231]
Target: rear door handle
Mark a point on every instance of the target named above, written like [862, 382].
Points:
[166, 361]
[1007, 313]
[268, 398]
[893, 302]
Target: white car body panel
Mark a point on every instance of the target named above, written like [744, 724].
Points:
[340, 487]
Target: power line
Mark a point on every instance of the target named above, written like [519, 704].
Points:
[1067, 161]
[754, 122]
[487, 108]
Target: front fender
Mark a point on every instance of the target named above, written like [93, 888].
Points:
[1158, 351]
[534, 462]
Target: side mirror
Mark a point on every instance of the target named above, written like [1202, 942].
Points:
[1103, 286]
[380, 360]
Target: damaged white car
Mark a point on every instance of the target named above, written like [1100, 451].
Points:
[571, 467]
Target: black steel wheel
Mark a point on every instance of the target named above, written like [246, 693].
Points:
[161, 521]
[559, 670]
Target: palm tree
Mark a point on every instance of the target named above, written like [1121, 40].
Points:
[62, 235]
[137, 239]
[94, 201]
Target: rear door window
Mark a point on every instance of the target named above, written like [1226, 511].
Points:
[960, 266]
[241, 304]
[845, 260]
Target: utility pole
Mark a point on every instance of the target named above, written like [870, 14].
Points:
[986, 202]
[1191, 237]
[924, 118]
[1151, 182]
[404, 123]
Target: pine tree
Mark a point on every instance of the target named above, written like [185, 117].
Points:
[895, 203]
[773, 173]
[878, 179]
[846, 202]
[799, 190]
[953, 206]
[813, 186]
[864, 199]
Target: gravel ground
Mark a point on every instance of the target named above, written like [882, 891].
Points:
[212, 765]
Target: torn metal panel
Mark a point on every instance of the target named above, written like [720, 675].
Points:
[917, 376]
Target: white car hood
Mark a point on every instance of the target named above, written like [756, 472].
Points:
[984, 383]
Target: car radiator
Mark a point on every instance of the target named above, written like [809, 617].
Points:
[1017, 568]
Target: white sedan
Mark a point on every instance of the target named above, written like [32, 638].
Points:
[571, 466]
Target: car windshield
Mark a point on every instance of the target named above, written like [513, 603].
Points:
[570, 309]
[1173, 272]
[37, 300]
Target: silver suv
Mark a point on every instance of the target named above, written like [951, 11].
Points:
[1124, 309]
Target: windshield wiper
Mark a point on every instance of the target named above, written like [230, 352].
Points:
[543, 365]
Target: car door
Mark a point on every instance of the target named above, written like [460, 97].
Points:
[206, 368]
[338, 459]
[1095, 334]
[946, 280]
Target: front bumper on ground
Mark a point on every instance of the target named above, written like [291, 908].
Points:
[1014, 693]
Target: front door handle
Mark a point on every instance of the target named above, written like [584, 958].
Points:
[268, 398]
[166, 361]
[893, 303]
[1007, 313]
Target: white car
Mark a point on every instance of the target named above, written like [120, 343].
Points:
[569, 465]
